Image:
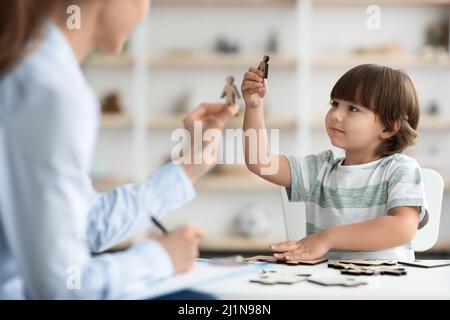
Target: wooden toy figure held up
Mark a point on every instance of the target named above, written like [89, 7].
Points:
[264, 66]
[230, 92]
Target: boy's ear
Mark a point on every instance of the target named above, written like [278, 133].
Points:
[386, 134]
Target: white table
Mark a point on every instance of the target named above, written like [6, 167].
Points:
[419, 283]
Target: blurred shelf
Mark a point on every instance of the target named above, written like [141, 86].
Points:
[116, 121]
[237, 244]
[108, 184]
[432, 123]
[240, 3]
[327, 61]
[234, 183]
[161, 121]
[209, 60]
[110, 61]
[380, 2]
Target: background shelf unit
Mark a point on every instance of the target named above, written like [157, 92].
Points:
[148, 127]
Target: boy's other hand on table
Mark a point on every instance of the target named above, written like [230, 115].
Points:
[309, 248]
[254, 88]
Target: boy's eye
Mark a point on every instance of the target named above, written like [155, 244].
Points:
[334, 103]
[353, 109]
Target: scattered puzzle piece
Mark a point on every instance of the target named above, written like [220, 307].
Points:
[271, 259]
[358, 270]
[370, 271]
[337, 281]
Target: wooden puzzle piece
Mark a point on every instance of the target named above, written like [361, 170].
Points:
[337, 281]
[261, 259]
[426, 263]
[340, 266]
[370, 262]
[370, 271]
[272, 277]
[290, 272]
[357, 270]
[303, 262]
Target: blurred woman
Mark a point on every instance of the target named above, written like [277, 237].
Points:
[51, 219]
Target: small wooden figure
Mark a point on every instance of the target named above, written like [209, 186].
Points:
[264, 66]
[112, 103]
[230, 92]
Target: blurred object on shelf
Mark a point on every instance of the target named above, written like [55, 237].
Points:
[253, 222]
[112, 103]
[182, 103]
[394, 48]
[436, 41]
[433, 108]
[272, 42]
[224, 45]
[437, 34]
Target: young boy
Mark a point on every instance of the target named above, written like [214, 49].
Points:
[369, 204]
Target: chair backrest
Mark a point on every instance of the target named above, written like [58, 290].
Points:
[434, 191]
[295, 213]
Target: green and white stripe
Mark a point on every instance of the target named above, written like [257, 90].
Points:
[339, 195]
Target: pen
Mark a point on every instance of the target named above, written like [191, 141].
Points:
[159, 225]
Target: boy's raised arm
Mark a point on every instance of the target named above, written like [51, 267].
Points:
[259, 160]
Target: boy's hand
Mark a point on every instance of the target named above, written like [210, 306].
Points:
[254, 88]
[309, 248]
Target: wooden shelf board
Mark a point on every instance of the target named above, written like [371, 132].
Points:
[209, 60]
[113, 121]
[102, 61]
[434, 123]
[234, 183]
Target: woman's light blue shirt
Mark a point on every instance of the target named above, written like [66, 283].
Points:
[51, 218]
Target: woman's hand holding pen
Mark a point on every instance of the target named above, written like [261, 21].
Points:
[254, 88]
[182, 246]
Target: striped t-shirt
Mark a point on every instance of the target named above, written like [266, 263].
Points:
[337, 195]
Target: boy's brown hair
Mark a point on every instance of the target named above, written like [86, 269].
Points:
[390, 94]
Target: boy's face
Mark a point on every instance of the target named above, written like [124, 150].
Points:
[353, 128]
